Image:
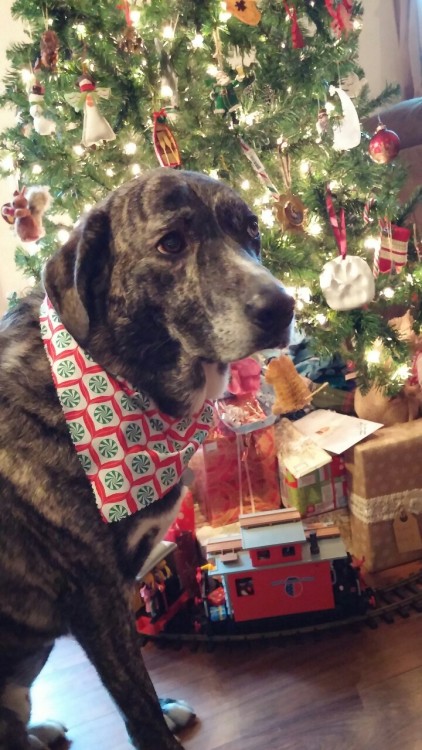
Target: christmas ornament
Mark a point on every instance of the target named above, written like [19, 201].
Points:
[392, 253]
[342, 17]
[323, 122]
[291, 390]
[49, 50]
[26, 212]
[347, 281]
[346, 133]
[42, 125]
[165, 145]
[95, 126]
[384, 145]
[244, 10]
[297, 36]
[224, 93]
[289, 209]
[258, 167]
[131, 43]
[290, 212]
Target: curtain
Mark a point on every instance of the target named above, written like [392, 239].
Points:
[408, 14]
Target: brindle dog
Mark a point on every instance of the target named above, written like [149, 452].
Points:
[161, 283]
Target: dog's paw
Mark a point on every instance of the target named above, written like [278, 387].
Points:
[47, 733]
[177, 714]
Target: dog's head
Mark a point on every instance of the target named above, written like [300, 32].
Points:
[162, 282]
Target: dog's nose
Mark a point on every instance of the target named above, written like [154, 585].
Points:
[271, 308]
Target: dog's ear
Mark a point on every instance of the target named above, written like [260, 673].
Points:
[76, 278]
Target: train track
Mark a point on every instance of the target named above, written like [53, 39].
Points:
[398, 599]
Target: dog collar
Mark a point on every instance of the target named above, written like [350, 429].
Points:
[132, 453]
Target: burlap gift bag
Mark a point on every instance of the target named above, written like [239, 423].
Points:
[384, 474]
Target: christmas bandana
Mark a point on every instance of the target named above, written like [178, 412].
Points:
[131, 452]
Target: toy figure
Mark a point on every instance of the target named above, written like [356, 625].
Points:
[26, 211]
[42, 125]
[148, 593]
[224, 93]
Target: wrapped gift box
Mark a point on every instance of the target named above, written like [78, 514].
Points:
[185, 520]
[320, 491]
[238, 473]
[385, 481]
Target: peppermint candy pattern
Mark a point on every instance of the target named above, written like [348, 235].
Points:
[132, 453]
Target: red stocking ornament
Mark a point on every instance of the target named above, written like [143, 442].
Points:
[392, 254]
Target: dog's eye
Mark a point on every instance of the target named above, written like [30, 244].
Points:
[171, 244]
[253, 228]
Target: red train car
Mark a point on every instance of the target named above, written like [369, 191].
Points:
[274, 569]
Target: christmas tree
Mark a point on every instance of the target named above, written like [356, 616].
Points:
[254, 94]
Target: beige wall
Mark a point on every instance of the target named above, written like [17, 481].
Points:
[10, 278]
[378, 57]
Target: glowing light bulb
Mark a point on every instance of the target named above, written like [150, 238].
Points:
[135, 16]
[130, 148]
[63, 235]
[373, 356]
[329, 107]
[372, 243]
[198, 41]
[245, 185]
[37, 169]
[304, 167]
[212, 70]
[214, 174]
[321, 319]
[7, 163]
[267, 217]
[135, 169]
[80, 29]
[87, 206]
[26, 75]
[224, 16]
[314, 228]
[402, 373]
[78, 149]
[334, 185]
[166, 91]
[168, 32]
[110, 172]
[388, 292]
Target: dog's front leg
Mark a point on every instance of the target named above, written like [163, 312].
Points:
[101, 621]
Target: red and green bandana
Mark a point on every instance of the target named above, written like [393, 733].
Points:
[131, 452]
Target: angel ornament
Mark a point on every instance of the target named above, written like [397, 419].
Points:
[95, 126]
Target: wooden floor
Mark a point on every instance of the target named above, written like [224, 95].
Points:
[346, 692]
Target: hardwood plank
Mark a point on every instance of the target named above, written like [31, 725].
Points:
[351, 690]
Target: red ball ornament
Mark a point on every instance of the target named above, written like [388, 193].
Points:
[384, 145]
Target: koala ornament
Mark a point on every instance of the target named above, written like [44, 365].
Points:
[347, 282]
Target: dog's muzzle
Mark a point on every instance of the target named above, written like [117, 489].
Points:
[271, 310]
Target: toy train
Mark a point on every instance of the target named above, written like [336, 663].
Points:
[274, 568]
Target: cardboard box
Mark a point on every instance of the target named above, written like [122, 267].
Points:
[320, 491]
[385, 481]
